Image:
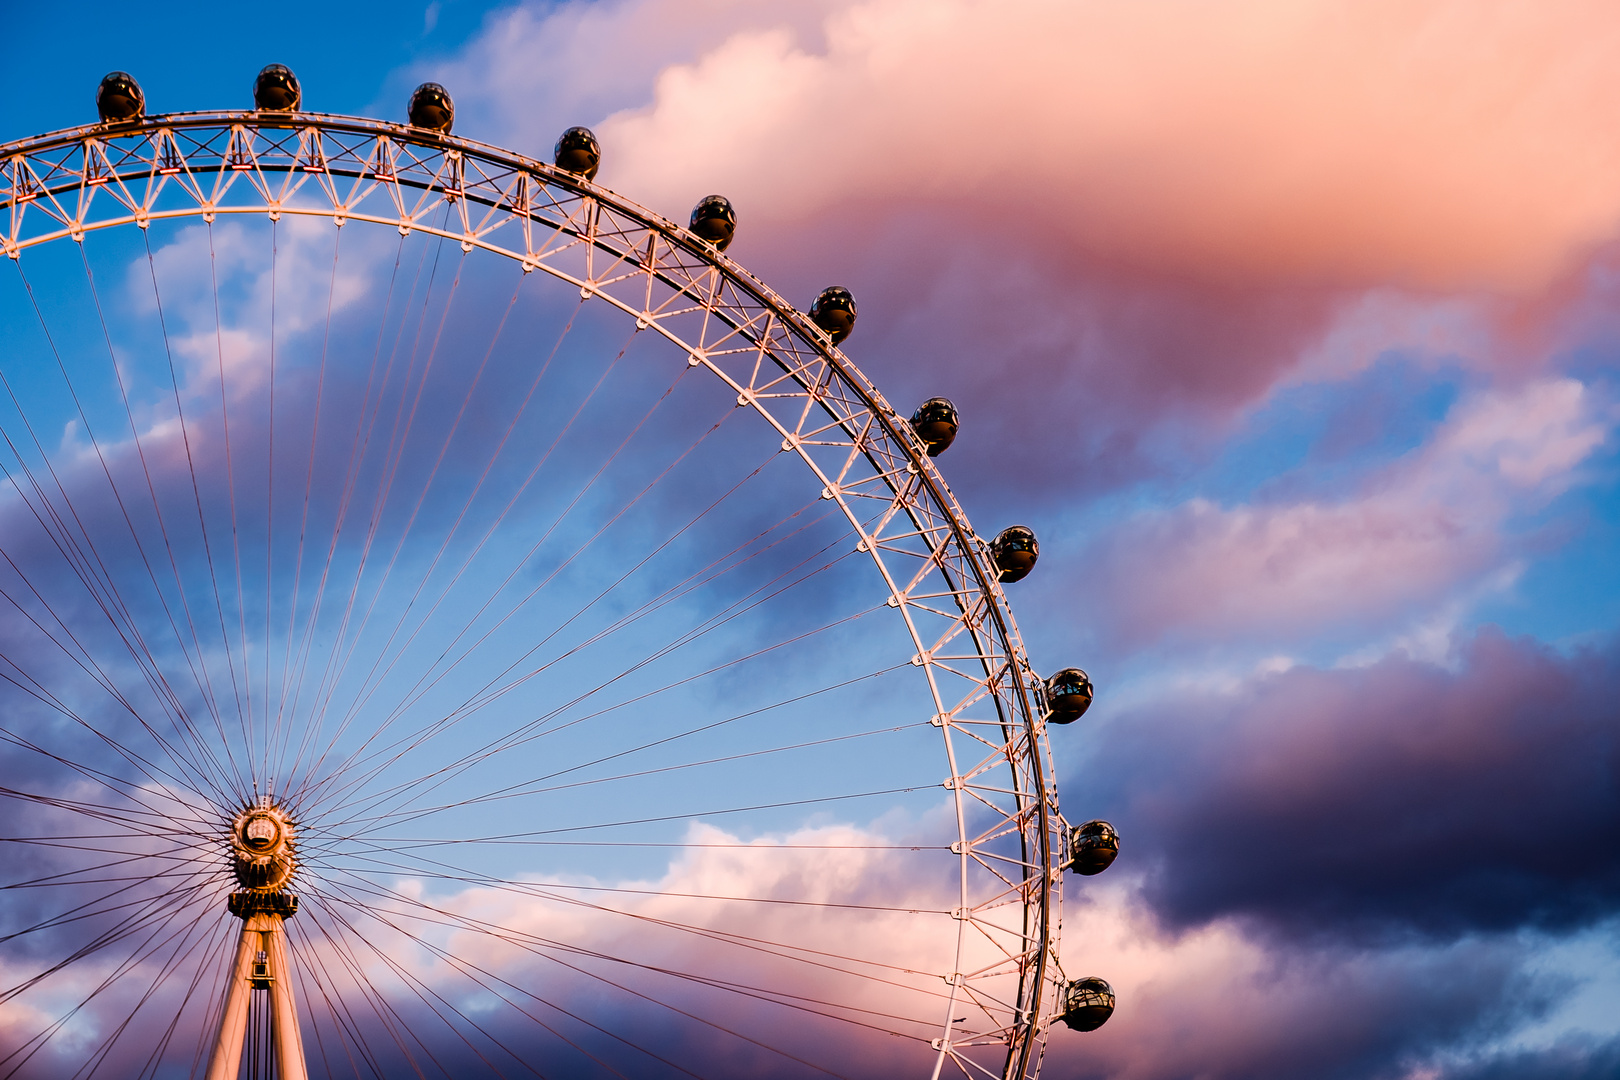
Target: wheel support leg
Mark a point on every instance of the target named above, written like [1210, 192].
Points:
[284, 1011]
[262, 934]
[225, 1062]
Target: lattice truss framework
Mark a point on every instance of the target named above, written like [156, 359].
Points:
[937, 571]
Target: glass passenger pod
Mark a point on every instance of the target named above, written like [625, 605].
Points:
[1087, 1004]
[578, 152]
[119, 98]
[432, 109]
[935, 424]
[714, 220]
[1093, 847]
[277, 90]
[1068, 695]
[834, 312]
[1015, 551]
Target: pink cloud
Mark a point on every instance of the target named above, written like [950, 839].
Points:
[1425, 526]
[1439, 144]
[842, 931]
[1215, 1000]
[1164, 207]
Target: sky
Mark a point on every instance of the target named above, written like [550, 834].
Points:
[1291, 327]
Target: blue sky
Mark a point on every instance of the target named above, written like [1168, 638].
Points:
[1290, 328]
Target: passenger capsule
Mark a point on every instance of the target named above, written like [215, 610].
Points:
[578, 152]
[431, 108]
[714, 220]
[834, 312]
[1092, 848]
[119, 98]
[276, 89]
[1068, 695]
[1087, 1004]
[1015, 551]
[935, 424]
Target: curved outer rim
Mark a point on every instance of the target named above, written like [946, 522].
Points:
[30, 174]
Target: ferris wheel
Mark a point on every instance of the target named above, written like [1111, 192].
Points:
[415, 664]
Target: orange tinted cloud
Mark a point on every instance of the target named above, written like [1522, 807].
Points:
[1453, 144]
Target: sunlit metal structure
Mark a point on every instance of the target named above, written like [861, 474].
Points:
[263, 858]
[934, 572]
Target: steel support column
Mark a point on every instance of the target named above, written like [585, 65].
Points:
[260, 964]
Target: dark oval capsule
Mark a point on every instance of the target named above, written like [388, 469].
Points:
[578, 152]
[431, 108]
[714, 220]
[1014, 552]
[1093, 847]
[277, 90]
[1068, 695]
[935, 424]
[1087, 1004]
[834, 312]
[119, 98]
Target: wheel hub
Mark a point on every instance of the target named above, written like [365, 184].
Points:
[263, 854]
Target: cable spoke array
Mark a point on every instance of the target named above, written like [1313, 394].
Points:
[644, 699]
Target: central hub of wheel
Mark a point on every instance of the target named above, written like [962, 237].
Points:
[263, 855]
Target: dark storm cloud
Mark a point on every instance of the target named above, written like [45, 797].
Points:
[1261, 1013]
[1570, 1059]
[1400, 798]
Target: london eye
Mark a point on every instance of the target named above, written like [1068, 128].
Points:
[461, 623]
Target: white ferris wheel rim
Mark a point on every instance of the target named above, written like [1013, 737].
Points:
[67, 184]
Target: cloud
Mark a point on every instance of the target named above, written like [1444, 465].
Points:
[1218, 1003]
[576, 83]
[1575, 1059]
[1253, 815]
[829, 966]
[1107, 230]
[1433, 144]
[216, 284]
[1394, 801]
[1427, 524]
[1215, 1000]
